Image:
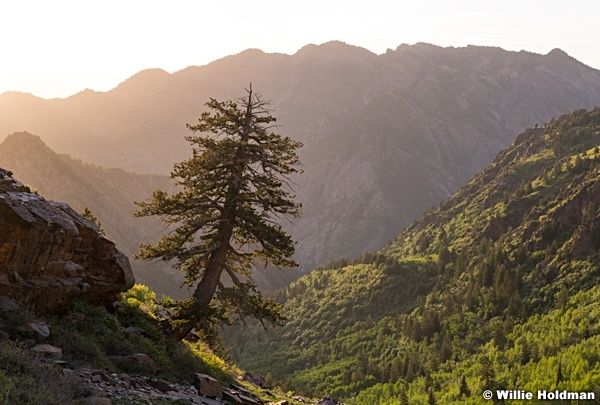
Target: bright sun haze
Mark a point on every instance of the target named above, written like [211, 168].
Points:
[56, 49]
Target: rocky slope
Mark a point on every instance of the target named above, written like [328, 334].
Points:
[90, 356]
[50, 256]
[386, 136]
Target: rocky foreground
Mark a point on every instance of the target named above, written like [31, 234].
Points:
[100, 387]
[139, 390]
[53, 260]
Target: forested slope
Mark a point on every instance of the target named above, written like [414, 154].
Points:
[495, 288]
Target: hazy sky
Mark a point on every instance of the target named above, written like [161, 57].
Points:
[58, 48]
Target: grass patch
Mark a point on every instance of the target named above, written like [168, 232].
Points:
[24, 379]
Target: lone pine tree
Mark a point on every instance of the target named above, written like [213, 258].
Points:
[235, 190]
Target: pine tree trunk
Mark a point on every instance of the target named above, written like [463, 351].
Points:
[207, 286]
[216, 263]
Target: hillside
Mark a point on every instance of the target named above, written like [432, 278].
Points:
[108, 193]
[88, 356]
[496, 288]
[385, 135]
[74, 329]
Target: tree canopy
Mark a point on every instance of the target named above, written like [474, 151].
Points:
[235, 190]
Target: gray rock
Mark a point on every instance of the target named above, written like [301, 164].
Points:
[48, 351]
[208, 386]
[256, 380]
[138, 331]
[159, 385]
[326, 400]
[231, 397]
[7, 305]
[40, 328]
[140, 359]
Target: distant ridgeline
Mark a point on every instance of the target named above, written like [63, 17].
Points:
[385, 136]
[495, 289]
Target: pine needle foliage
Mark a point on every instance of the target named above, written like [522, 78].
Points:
[235, 191]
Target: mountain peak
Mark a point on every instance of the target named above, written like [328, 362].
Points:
[557, 52]
[22, 138]
[25, 146]
[332, 48]
[252, 52]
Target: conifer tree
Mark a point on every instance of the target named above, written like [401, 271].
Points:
[464, 390]
[87, 213]
[235, 189]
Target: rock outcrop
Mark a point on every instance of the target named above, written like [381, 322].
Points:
[51, 256]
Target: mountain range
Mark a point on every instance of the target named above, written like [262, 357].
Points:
[385, 136]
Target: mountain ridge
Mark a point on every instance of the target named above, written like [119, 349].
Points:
[441, 115]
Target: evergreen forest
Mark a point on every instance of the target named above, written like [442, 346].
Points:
[494, 289]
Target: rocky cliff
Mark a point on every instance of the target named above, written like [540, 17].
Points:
[51, 256]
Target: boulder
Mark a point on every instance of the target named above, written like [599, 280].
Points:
[259, 381]
[40, 329]
[232, 398]
[50, 256]
[159, 385]
[240, 397]
[139, 359]
[99, 376]
[208, 386]
[48, 351]
[326, 400]
[7, 305]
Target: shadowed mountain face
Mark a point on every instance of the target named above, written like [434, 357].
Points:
[385, 136]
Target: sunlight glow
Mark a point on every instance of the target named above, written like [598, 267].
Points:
[55, 49]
